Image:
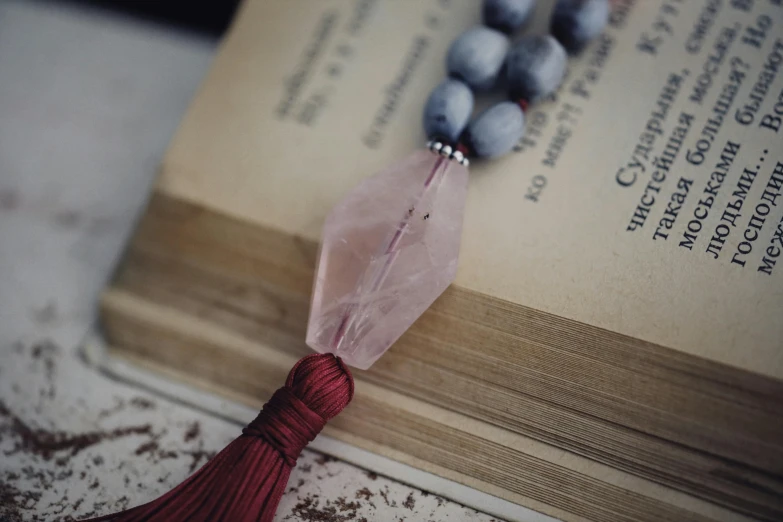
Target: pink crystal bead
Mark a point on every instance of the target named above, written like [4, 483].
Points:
[389, 249]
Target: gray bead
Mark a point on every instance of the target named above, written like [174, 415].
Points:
[535, 68]
[448, 110]
[476, 57]
[576, 22]
[507, 15]
[496, 130]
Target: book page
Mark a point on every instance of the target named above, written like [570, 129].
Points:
[645, 198]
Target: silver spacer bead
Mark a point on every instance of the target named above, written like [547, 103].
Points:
[460, 158]
[434, 146]
[448, 152]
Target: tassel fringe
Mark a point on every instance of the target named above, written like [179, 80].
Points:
[245, 481]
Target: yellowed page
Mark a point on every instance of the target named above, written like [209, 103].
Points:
[667, 125]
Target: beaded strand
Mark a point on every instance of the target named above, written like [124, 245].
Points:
[534, 68]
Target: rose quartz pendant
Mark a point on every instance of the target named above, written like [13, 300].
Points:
[389, 249]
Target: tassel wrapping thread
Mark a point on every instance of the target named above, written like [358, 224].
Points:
[245, 481]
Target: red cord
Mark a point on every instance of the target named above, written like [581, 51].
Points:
[245, 481]
[464, 149]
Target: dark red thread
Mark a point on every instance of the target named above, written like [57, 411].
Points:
[464, 149]
[244, 482]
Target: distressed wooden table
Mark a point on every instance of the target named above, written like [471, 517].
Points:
[88, 102]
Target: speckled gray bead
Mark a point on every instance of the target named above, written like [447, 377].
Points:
[535, 68]
[495, 131]
[507, 15]
[476, 57]
[576, 22]
[448, 110]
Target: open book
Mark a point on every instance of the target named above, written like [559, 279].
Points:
[618, 296]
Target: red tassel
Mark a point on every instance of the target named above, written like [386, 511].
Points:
[246, 480]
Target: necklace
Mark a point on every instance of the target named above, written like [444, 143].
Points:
[389, 249]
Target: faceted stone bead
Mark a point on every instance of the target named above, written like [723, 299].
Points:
[389, 249]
